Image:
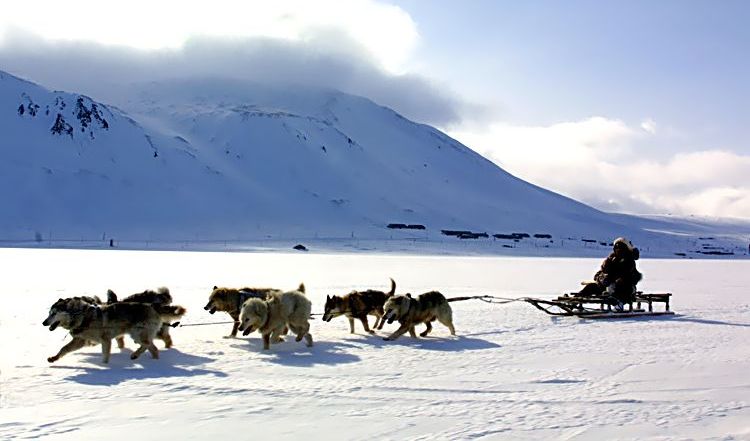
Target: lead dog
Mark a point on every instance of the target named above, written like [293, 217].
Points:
[159, 297]
[89, 322]
[230, 300]
[424, 309]
[359, 304]
[282, 309]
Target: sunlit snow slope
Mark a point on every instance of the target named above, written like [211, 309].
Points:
[216, 159]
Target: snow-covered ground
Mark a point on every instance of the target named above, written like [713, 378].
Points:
[510, 373]
[420, 243]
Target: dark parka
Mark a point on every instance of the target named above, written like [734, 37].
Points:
[617, 276]
[619, 270]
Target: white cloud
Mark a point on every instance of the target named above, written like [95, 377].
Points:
[649, 125]
[358, 46]
[719, 201]
[567, 143]
[597, 161]
[324, 59]
[385, 32]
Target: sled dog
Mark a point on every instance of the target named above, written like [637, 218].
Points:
[411, 312]
[230, 300]
[88, 322]
[281, 309]
[358, 305]
[159, 297]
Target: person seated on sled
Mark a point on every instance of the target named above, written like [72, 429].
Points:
[618, 276]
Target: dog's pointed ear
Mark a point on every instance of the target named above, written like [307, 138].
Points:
[301, 287]
[408, 294]
[215, 287]
[328, 297]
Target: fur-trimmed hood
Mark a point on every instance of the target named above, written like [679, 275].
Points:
[629, 245]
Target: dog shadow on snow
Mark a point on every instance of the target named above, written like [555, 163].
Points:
[171, 363]
[292, 353]
[456, 343]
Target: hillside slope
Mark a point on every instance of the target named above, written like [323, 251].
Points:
[216, 159]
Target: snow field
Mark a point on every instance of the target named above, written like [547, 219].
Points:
[510, 373]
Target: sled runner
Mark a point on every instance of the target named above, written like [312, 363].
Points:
[601, 307]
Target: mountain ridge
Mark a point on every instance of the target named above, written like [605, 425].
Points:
[215, 159]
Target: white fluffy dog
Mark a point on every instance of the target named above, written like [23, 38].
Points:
[281, 309]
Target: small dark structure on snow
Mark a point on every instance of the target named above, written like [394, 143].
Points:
[471, 235]
[406, 227]
[455, 232]
[514, 236]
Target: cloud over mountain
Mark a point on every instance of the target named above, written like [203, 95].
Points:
[326, 59]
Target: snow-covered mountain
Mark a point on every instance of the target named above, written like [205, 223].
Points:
[216, 159]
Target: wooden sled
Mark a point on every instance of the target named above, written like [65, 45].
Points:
[601, 308]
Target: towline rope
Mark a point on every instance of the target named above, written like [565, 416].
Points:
[488, 299]
[221, 323]
[205, 324]
[484, 298]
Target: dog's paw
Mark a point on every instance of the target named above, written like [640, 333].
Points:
[133, 356]
[371, 331]
[387, 338]
[51, 359]
[228, 336]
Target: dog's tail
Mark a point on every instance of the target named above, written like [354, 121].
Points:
[111, 296]
[393, 288]
[301, 288]
[169, 312]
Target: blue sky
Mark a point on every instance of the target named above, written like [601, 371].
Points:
[684, 64]
[633, 106]
[676, 70]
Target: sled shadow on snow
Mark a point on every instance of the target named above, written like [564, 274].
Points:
[171, 363]
[692, 319]
[292, 353]
[675, 318]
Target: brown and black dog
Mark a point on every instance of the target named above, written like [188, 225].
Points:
[358, 305]
[424, 309]
[89, 323]
[230, 300]
[150, 297]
